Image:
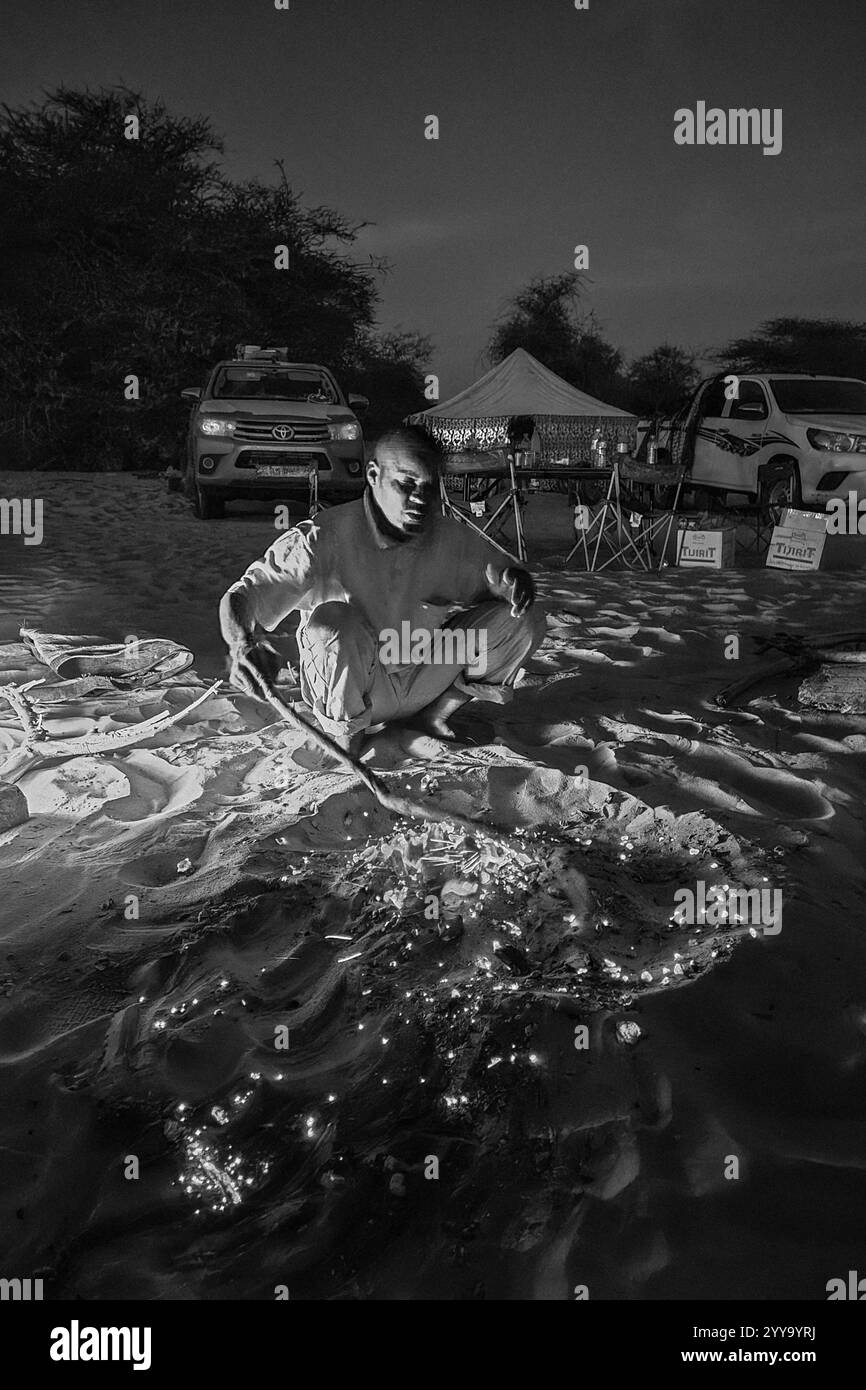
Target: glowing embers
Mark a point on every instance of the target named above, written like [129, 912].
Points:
[468, 918]
[582, 908]
[431, 880]
[445, 871]
[493, 901]
[216, 1177]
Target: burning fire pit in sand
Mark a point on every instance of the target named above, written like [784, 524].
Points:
[584, 912]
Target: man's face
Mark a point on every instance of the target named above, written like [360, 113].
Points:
[404, 488]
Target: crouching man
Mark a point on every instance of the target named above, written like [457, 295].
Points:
[404, 614]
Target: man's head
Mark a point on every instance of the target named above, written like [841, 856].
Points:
[404, 478]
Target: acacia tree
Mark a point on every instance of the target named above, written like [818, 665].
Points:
[662, 380]
[389, 369]
[86, 219]
[831, 347]
[137, 256]
[543, 318]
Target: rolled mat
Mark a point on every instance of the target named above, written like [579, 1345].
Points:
[141, 661]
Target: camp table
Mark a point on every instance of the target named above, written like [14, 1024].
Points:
[564, 473]
[578, 477]
[483, 480]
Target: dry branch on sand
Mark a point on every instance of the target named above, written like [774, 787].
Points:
[110, 742]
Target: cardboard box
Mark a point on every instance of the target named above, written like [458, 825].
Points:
[706, 549]
[797, 543]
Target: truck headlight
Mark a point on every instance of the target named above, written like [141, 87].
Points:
[837, 442]
[214, 425]
[349, 430]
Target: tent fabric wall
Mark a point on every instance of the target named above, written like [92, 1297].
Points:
[561, 436]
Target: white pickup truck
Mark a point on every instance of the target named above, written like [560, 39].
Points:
[785, 439]
[262, 423]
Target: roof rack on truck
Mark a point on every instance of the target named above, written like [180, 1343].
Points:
[251, 352]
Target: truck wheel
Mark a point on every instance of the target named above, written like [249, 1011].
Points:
[783, 491]
[206, 506]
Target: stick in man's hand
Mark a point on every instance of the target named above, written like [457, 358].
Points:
[254, 666]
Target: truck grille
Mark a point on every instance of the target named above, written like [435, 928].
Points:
[250, 458]
[259, 429]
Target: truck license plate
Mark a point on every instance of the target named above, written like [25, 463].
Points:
[282, 470]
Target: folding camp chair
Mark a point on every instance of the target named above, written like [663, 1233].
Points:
[630, 520]
[599, 529]
[650, 516]
[513, 499]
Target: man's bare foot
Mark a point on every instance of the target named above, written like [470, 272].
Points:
[433, 719]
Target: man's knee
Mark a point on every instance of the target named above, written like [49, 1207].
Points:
[337, 651]
[536, 625]
[530, 628]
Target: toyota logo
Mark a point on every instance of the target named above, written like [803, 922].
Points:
[283, 432]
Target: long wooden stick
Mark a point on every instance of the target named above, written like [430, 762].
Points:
[399, 805]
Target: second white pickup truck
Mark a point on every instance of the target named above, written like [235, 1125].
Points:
[793, 440]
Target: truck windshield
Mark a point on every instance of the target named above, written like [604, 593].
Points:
[273, 384]
[805, 396]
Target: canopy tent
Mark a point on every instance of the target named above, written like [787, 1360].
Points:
[566, 418]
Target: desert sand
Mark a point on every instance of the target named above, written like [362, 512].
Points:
[219, 964]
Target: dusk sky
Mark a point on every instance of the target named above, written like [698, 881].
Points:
[556, 128]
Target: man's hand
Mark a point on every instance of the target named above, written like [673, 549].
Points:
[515, 586]
[254, 666]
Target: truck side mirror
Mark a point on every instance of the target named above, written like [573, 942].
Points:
[191, 393]
[358, 403]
